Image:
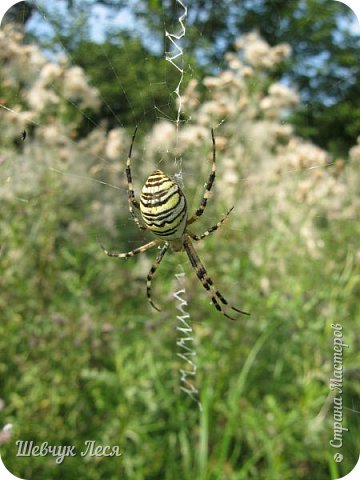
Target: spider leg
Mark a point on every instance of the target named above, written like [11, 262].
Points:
[142, 249]
[152, 273]
[131, 194]
[217, 299]
[211, 229]
[208, 185]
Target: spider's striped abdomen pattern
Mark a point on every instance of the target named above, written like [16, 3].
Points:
[163, 206]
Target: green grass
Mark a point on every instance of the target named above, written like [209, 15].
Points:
[84, 357]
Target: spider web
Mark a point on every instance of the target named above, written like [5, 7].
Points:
[186, 339]
[166, 159]
[42, 23]
[102, 168]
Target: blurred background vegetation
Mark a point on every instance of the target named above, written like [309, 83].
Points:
[324, 65]
[83, 357]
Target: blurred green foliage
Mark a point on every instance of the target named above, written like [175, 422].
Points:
[140, 91]
[324, 66]
[83, 357]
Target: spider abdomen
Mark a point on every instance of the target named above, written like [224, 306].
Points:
[163, 206]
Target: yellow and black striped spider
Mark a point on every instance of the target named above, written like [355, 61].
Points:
[164, 212]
